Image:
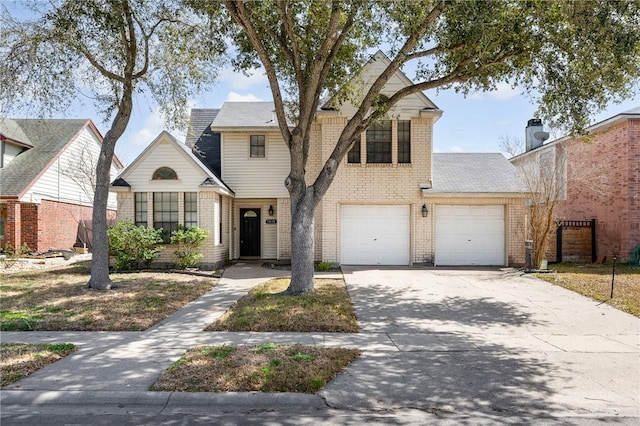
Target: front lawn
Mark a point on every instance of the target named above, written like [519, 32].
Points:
[595, 281]
[18, 360]
[57, 300]
[329, 309]
[265, 368]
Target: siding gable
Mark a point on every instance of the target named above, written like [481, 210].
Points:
[164, 153]
[68, 177]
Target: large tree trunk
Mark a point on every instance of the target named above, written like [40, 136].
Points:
[302, 265]
[100, 279]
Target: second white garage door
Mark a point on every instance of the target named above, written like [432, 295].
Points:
[470, 235]
[375, 235]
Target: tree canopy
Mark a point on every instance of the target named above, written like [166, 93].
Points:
[574, 57]
[109, 50]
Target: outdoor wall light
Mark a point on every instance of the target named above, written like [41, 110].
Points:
[425, 210]
[270, 210]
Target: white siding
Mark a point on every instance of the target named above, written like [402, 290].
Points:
[255, 177]
[403, 110]
[165, 154]
[60, 182]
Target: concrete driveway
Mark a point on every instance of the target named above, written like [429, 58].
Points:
[491, 343]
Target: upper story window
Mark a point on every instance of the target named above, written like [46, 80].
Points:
[404, 141]
[379, 142]
[381, 139]
[165, 173]
[353, 156]
[257, 146]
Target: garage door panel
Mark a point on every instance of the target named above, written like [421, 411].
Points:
[469, 235]
[375, 235]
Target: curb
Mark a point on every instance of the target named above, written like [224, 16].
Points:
[231, 401]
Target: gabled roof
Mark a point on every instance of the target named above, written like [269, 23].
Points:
[254, 115]
[49, 138]
[379, 56]
[10, 130]
[211, 181]
[473, 173]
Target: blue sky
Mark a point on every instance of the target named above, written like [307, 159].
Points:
[472, 124]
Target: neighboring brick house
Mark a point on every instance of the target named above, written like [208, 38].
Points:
[46, 195]
[602, 180]
[393, 202]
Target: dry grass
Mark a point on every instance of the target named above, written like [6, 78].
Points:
[266, 368]
[18, 360]
[595, 281]
[329, 309]
[56, 300]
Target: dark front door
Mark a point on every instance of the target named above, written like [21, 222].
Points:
[249, 232]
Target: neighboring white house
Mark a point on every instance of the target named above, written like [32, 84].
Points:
[393, 201]
[47, 169]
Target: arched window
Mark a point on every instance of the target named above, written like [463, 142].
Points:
[164, 173]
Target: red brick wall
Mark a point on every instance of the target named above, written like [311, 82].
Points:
[603, 183]
[45, 226]
[13, 235]
[29, 223]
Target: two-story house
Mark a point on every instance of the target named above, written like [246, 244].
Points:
[46, 182]
[599, 211]
[393, 201]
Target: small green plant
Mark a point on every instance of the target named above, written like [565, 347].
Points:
[12, 255]
[324, 266]
[134, 247]
[266, 347]
[218, 352]
[189, 240]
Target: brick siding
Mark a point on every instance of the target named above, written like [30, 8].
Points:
[603, 182]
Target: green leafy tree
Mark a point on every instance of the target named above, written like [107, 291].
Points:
[578, 56]
[54, 53]
[188, 241]
[134, 247]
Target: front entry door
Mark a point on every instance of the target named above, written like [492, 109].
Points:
[249, 232]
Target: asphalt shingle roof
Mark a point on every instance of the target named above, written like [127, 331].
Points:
[474, 173]
[246, 114]
[49, 137]
[11, 130]
[204, 142]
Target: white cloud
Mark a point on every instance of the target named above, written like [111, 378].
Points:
[237, 80]
[456, 148]
[503, 123]
[502, 92]
[237, 97]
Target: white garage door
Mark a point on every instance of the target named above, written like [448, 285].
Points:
[375, 235]
[470, 235]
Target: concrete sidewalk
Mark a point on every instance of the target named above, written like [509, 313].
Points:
[446, 347]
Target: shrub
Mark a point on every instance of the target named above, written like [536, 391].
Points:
[12, 255]
[324, 266]
[134, 247]
[189, 241]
